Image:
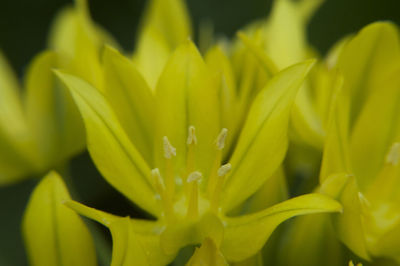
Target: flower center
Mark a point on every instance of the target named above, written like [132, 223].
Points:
[192, 199]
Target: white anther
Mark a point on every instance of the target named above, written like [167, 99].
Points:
[221, 139]
[169, 150]
[155, 173]
[393, 156]
[191, 136]
[224, 169]
[194, 176]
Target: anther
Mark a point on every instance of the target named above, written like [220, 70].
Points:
[194, 176]
[169, 150]
[393, 157]
[220, 142]
[224, 170]
[191, 136]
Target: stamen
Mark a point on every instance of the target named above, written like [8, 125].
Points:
[160, 188]
[193, 205]
[220, 142]
[169, 150]
[190, 158]
[393, 157]
[158, 181]
[222, 172]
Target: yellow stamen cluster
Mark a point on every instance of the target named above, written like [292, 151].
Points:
[193, 196]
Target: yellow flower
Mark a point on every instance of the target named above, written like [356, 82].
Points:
[178, 131]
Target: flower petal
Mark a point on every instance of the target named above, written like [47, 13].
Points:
[375, 129]
[112, 151]
[135, 242]
[131, 99]
[220, 66]
[245, 235]
[263, 141]
[15, 140]
[51, 113]
[76, 36]
[349, 224]
[165, 26]
[186, 95]
[54, 234]
[366, 59]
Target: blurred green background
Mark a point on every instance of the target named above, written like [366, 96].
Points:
[24, 25]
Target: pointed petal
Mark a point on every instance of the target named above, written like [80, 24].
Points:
[166, 25]
[186, 96]
[244, 236]
[264, 135]
[76, 36]
[366, 59]
[207, 254]
[135, 242]
[131, 99]
[112, 151]
[54, 234]
[51, 113]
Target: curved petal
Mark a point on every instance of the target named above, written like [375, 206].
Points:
[131, 99]
[186, 96]
[113, 153]
[135, 242]
[245, 235]
[54, 234]
[263, 141]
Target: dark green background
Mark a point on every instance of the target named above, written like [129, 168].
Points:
[23, 31]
